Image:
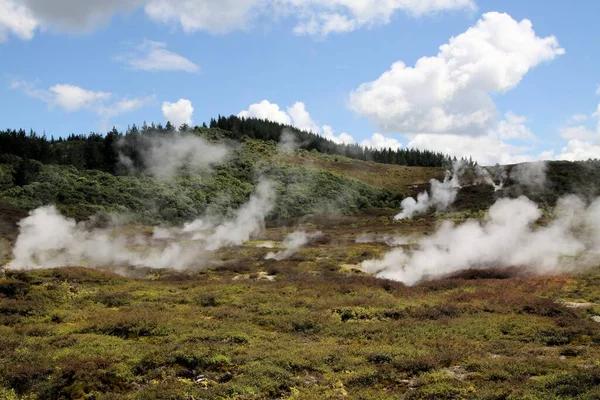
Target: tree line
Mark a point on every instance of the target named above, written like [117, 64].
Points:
[25, 150]
[269, 130]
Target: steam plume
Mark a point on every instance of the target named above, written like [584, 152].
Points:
[530, 175]
[163, 156]
[47, 239]
[292, 243]
[506, 238]
[442, 196]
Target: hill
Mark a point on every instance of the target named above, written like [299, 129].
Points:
[309, 182]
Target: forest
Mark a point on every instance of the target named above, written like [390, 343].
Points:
[100, 152]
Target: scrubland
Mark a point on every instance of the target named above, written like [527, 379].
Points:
[313, 326]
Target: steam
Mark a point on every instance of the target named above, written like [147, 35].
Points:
[530, 175]
[163, 156]
[292, 243]
[485, 175]
[442, 196]
[391, 241]
[288, 142]
[48, 240]
[506, 238]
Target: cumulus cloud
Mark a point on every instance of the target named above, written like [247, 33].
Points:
[577, 150]
[296, 116]
[73, 98]
[379, 141]
[506, 143]
[313, 17]
[301, 118]
[16, 19]
[267, 110]
[450, 92]
[584, 139]
[343, 138]
[154, 56]
[178, 113]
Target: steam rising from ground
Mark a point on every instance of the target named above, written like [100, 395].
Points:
[47, 239]
[288, 142]
[530, 175]
[391, 241]
[165, 155]
[292, 243]
[443, 194]
[506, 238]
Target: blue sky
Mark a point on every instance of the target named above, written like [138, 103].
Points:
[503, 91]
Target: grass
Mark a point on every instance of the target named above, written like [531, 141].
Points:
[317, 330]
[397, 178]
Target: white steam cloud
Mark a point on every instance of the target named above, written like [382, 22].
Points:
[48, 240]
[292, 243]
[530, 175]
[442, 196]
[391, 241]
[164, 156]
[506, 238]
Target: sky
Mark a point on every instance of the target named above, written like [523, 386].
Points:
[502, 81]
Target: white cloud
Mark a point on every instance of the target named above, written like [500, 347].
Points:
[73, 98]
[301, 119]
[578, 118]
[584, 141]
[267, 110]
[16, 19]
[450, 93]
[580, 150]
[178, 113]
[379, 141]
[154, 56]
[576, 132]
[124, 106]
[496, 146]
[486, 149]
[323, 17]
[513, 127]
[68, 97]
[214, 16]
[76, 15]
[343, 138]
[296, 116]
[313, 17]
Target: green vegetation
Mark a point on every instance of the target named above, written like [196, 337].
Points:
[80, 192]
[313, 326]
[268, 130]
[314, 330]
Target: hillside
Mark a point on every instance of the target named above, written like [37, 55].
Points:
[314, 180]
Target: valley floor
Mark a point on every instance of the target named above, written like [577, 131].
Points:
[313, 326]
